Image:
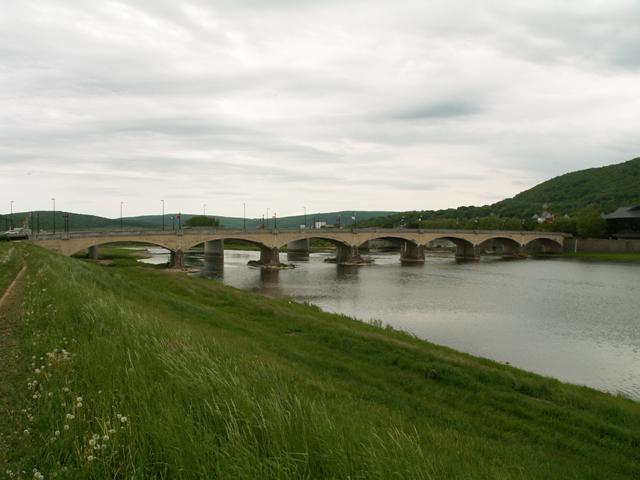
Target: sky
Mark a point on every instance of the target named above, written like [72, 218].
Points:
[324, 105]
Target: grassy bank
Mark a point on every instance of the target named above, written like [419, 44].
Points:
[604, 256]
[10, 264]
[129, 372]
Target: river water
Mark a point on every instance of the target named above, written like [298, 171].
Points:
[573, 320]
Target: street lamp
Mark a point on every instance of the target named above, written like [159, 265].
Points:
[267, 217]
[162, 215]
[54, 214]
[244, 216]
[305, 217]
[121, 204]
[275, 221]
[11, 214]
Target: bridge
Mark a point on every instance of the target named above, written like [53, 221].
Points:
[469, 244]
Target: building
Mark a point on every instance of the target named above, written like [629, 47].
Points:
[546, 216]
[624, 222]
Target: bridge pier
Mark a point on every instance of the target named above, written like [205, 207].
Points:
[298, 249]
[177, 259]
[269, 257]
[214, 250]
[348, 255]
[411, 253]
[467, 252]
[92, 252]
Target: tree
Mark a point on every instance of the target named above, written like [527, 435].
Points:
[203, 221]
[589, 223]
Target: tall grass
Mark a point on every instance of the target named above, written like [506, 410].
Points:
[137, 373]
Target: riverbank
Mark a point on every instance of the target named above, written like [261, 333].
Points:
[157, 374]
[596, 256]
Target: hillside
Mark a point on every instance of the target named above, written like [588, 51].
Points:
[78, 221]
[605, 188]
[133, 372]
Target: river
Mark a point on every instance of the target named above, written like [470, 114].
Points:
[577, 321]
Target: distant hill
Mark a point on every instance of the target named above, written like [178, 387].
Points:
[78, 221]
[605, 188]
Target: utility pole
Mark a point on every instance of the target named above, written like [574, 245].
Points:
[54, 214]
[11, 214]
[121, 203]
[275, 221]
[162, 215]
[244, 216]
[305, 217]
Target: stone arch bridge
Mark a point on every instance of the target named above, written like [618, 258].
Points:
[469, 243]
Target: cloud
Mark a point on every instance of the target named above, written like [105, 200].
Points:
[332, 105]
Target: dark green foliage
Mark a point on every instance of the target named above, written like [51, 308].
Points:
[605, 188]
[203, 221]
[589, 223]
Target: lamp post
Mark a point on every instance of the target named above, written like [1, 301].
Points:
[54, 214]
[305, 217]
[244, 216]
[267, 217]
[275, 221]
[11, 214]
[121, 204]
[162, 215]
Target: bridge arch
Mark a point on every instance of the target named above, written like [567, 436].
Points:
[334, 241]
[238, 238]
[507, 246]
[465, 249]
[395, 238]
[544, 244]
[78, 247]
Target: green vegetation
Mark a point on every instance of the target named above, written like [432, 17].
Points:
[604, 256]
[593, 190]
[202, 221]
[141, 373]
[77, 221]
[10, 265]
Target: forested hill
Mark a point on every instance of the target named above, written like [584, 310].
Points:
[604, 188]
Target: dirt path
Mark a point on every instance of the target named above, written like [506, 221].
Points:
[8, 352]
[9, 290]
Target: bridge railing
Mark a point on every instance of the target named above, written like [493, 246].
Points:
[221, 231]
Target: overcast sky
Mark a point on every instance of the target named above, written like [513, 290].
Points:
[332, 105]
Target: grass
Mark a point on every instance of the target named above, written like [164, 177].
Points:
[604, 256]
[10, 264]
[214, 382]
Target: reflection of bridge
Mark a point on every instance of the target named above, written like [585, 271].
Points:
[469, 244]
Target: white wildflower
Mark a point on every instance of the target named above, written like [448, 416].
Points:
[70, 416]
[123, 419]
[66, 427]
[57, 433]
